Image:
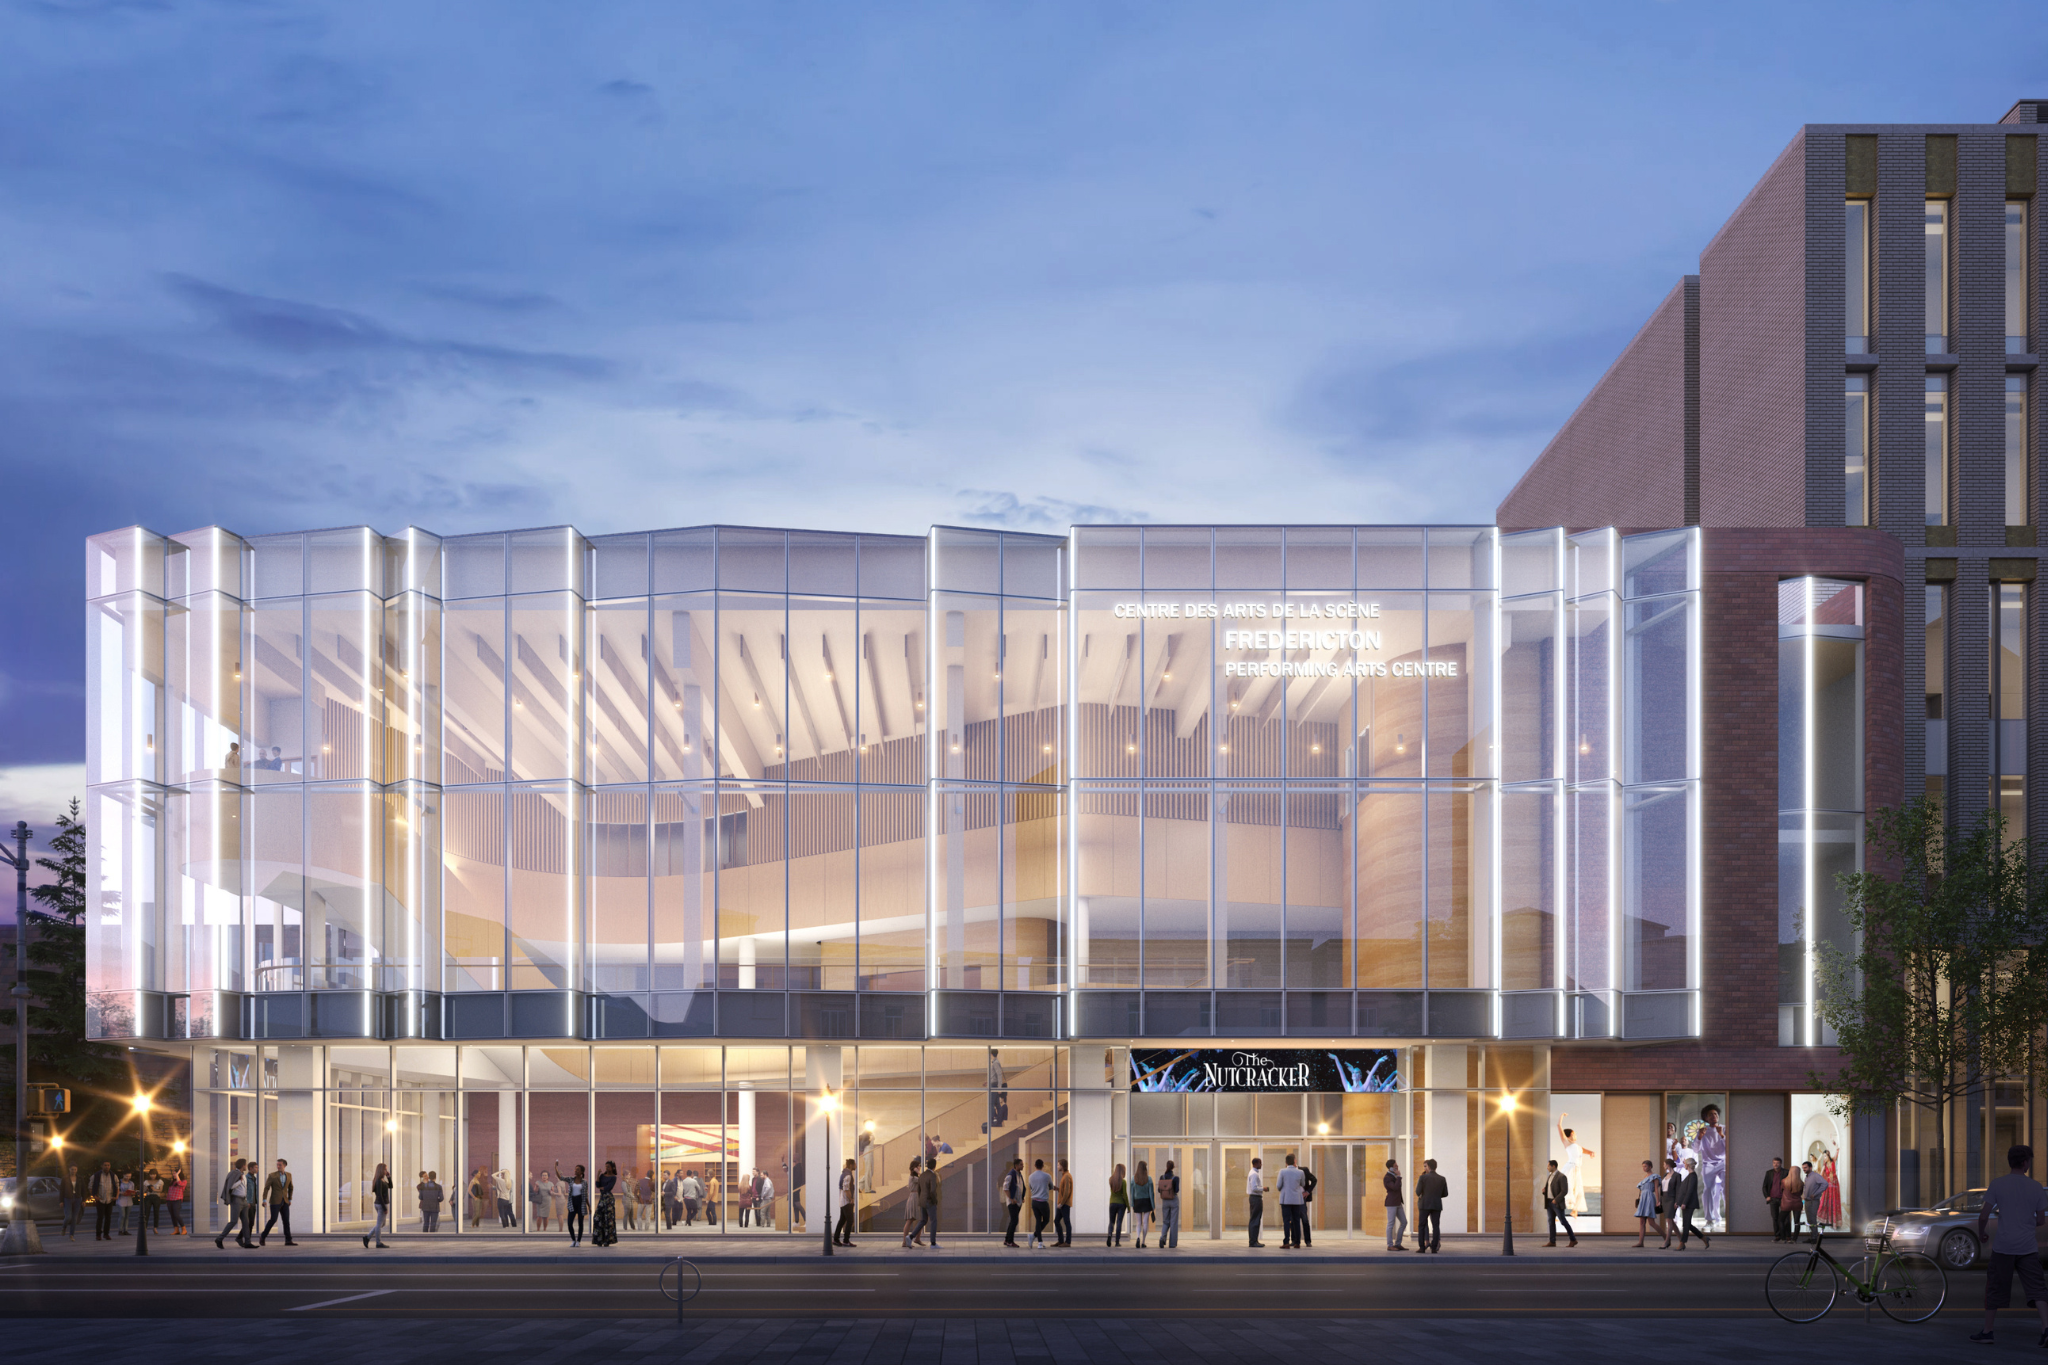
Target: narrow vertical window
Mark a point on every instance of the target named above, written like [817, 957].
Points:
[1936, 763]
[1856, 277]
[2009, 705]
[1937, 450]
[1937, 276]
[1856, 450]
[2016, 450]
[2016, 332]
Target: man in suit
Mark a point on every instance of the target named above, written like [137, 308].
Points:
[1774, 1180]
[1689, 1203]
[277, 1193]
[1431, 1189]
[235, 1193]
[1556, 1188]
[928, 1193]
[104, 1187]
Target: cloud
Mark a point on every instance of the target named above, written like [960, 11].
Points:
[983, 507]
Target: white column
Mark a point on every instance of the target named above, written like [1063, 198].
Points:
[1445, 1135]
[823, 1069]
[743, 1141]
[1093, 1131]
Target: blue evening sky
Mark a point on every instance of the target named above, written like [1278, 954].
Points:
[471, 266]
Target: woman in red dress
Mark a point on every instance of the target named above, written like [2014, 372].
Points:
[1831, 1194]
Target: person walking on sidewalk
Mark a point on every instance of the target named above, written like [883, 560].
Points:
[1397, 1209]
[277, 1193]
[1431, 1189]
[430, 1202]
[913, 1203]
[1063, 1208]
[576, 1189]
[1557, 1187]
[929, 1193]
[1255, 1200]
[240, 1197]
[1169, 1208]
[1119, 1206]
[1688, 1204]
[849, 1194]
[72, 1195]
[2020, 1205]
[380, 1196]
[1041, 1202]
[1013, 1200]
[1667, 1199]
[1647, 1217]
[103, 1189]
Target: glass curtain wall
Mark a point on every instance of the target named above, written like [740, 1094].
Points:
[1820, 787]
[1856, 450]
[2009, 706]
[2017, 330]
[1283, 775]
[1856, 277]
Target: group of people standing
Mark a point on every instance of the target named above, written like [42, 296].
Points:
[1805, 1190]
[138, 1196]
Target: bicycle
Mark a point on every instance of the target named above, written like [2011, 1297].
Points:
[1801, 1286]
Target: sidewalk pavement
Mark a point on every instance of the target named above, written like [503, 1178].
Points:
[968, 1248]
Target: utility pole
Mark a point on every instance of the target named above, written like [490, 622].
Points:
[22, 1236]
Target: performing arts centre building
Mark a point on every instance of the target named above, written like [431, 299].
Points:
[740, 852]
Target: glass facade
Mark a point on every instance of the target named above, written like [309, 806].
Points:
[2017, 331]
[2017, 509]
[1856, 450]
[488, 851]
[1820, 786]
[1936, 221]
[2008, 794]
[1936, 411]
[1856, 277]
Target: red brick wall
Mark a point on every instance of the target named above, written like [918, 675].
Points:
[1753, 300]
[1739, 917]
[1620, 459]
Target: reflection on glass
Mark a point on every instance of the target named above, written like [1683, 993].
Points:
[1936, 220]
[1856, 276]
[2016, 509]
[1856, 450]
[1937, 449]
[2016, 330]
[1390, 881]
[473, 889]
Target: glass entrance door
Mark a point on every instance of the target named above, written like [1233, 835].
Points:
[1237, 1164]
[1191, 1162]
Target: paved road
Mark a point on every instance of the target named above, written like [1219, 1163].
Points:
[1048, 1337]
[844, 1287]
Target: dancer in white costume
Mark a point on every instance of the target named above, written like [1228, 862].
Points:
[1569, 1161]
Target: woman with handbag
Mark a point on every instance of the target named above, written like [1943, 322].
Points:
[1646, 1205]
[1667, 1199]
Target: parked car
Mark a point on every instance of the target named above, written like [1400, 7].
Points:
[45, 1197]
[1946, 1231]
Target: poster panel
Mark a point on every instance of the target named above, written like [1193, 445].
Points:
[1820, 1142]
[1575, 1144]
[1696, 1130]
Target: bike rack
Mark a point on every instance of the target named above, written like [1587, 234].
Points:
[679, 1265]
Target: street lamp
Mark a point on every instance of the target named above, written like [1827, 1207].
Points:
[141, 1103]
[827, 1103]
[1507, 1226]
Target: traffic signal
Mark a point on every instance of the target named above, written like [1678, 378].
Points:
[49, 1099]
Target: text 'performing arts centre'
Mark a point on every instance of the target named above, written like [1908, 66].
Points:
[743, 852]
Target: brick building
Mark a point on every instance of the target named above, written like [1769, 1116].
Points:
[1919, 247]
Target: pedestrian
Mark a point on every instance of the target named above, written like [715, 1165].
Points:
[1789, 1191]
[1646, 1205]
[1431, 1189]
[1119, 1206]
[72, 1194]
[1255, 1199]
[174, 1194]
[1169, 1208]
[2021, 1205]
[430, 1202]
[764, 1201]
[1557, 1188]
[152, 1211]
[671, 1199]
[1774, 1180]
[643, 1195]
[1308, 1205]
[1141, 1203]
[1397, 1209]
[849, 1192]
[1063, 1208]
[692, 1193]
[929, 1193]
[627, 1197]
[543, 1200]
[747, 1185]
[501, 1184]
[1812, 1189]
[380, 1197]
[1293, 1203]
[277, 1193]
[476, 1196]
[231, 1195]
[103, 1189]
[714, 1198]
[1667, 1199]
[1691, 1195]
[575, 1191]
[125, 1201]
[1013, 1200]
[604, 1224]
[1041, 1201]
[913, 1203]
